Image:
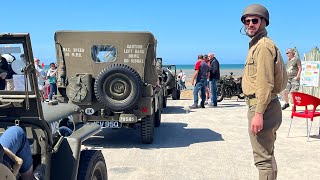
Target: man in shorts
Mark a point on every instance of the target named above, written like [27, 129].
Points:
[293, 71]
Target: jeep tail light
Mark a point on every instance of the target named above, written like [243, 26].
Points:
[144, 109]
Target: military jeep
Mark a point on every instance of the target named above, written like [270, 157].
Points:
[58, 155]
[112, 76]
[170, 81]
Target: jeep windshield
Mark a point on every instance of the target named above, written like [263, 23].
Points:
[19, 94]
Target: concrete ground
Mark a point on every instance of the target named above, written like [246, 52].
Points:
[210, 143]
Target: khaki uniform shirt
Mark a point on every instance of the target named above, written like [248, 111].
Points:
[264, 74]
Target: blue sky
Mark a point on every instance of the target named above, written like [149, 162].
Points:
[183, 29]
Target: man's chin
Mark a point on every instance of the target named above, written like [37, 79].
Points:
[251, 34]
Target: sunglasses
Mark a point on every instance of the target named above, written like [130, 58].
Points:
[287, 52]
[254, 21]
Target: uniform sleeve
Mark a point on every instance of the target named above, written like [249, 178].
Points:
[265, 76]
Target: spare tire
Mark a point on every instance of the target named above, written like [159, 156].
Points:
[118, 87]
[168, 76]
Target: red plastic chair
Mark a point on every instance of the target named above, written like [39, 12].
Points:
[302, 99]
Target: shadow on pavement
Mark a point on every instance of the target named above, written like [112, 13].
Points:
[168, 135]
[174, 110]
[222, 105]
[315, 136]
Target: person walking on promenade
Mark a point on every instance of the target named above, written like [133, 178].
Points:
[200, 75]
[52, 77]
[293, 70]
[182, 80]
[264, 77]
[213, 78]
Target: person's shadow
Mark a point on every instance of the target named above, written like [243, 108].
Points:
[168, 135]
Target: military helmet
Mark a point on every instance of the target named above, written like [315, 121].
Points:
[256, 9]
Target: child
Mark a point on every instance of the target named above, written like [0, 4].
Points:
[52, 77]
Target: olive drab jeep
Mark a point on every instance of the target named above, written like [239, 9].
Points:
[112, 77]
[171, 82]
[55, 132]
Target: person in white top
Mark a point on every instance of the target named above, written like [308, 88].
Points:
[41, 73]
[182, 80]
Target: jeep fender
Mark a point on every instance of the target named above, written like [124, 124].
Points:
[66, 161]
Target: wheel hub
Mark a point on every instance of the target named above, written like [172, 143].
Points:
[118, 88]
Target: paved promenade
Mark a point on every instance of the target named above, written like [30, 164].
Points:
[210, 143]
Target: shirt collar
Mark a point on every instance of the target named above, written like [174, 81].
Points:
[257, 37]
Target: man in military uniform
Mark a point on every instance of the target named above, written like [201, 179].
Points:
[264, 77]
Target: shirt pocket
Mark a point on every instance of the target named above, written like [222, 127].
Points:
[251, 67]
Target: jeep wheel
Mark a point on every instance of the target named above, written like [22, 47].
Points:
[147, 129]
[118, 87]
[92, 166]
[157, 119]
[175, 93]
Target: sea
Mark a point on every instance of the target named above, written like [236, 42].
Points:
[225, 69]
[222, 66]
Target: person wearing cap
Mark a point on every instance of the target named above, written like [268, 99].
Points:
[264, 77]
[293, 70]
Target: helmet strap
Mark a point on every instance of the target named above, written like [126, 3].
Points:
[244, 30]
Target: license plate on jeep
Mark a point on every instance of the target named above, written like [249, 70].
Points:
[128, 118]
[109, 124]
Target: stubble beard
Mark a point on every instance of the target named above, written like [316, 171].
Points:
[251, 33]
